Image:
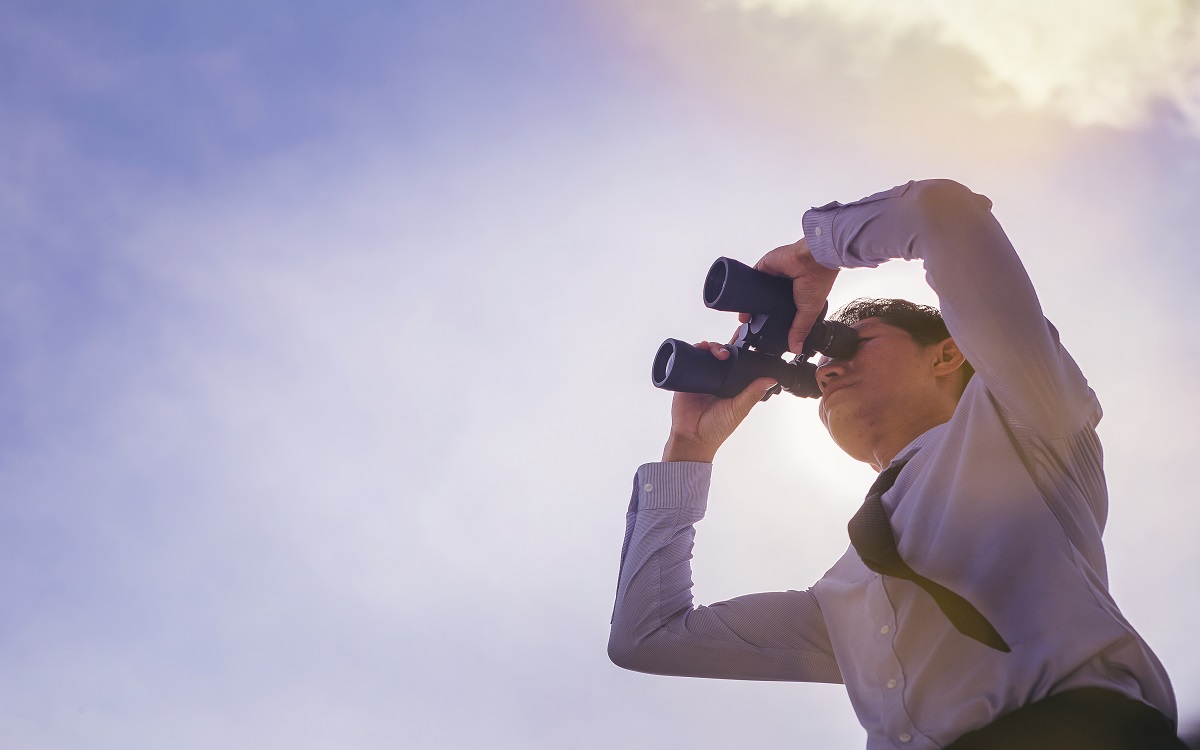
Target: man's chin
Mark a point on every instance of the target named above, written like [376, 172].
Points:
[836, 421]
[828, 417]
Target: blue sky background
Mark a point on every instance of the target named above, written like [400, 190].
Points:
[325, 332]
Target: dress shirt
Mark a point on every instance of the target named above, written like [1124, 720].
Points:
[1004, 504]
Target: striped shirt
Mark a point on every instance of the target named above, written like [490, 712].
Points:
[1004, 504]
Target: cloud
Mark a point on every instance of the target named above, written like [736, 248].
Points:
[1107, 62]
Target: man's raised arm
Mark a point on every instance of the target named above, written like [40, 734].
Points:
[984, 293]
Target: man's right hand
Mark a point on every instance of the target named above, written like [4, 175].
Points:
[811, 283]
[700, 423]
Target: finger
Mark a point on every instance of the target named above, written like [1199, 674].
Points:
[751, 395]
[807, 314]
[799, 332]
[720, 351]
[781, 261]
[769, 263]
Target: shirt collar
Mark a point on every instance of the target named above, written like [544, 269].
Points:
[932, 435]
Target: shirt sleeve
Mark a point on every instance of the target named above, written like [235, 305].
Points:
[655, 627]
[984, 292]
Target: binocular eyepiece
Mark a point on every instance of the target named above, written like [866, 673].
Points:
[758, 349]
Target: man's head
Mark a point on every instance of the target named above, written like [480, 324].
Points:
[905, 377]
[923, 323]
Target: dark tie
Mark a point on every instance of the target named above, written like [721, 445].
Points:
[873, 540]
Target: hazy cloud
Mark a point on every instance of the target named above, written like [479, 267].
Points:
[1096, 63]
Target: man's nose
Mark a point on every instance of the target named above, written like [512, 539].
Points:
[827, 370]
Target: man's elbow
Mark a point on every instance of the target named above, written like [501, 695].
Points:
[623, 651]
[942, 201]
[628, 652]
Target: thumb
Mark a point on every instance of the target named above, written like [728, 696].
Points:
[798, 334]
[808, 313]
[753, 393]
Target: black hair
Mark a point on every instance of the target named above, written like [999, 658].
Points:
[922, 322]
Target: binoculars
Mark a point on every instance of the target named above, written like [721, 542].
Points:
[758, 349]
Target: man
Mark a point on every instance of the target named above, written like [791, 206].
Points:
[971, 609]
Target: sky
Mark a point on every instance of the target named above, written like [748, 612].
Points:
[325, 334]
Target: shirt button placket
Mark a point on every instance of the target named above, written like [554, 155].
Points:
[886, 630]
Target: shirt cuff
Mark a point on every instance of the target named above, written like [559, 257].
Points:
[673, 484]
[818, 229]
[818, 233]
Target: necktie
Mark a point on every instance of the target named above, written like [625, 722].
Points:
[873, 540]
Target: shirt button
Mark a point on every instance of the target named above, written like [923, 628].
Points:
[891, 684]
[649, 487]
[906, 737]
[885, 629]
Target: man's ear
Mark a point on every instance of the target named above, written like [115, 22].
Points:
[948, 357]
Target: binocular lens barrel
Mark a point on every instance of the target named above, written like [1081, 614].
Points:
[679, 366]
[733, 286]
